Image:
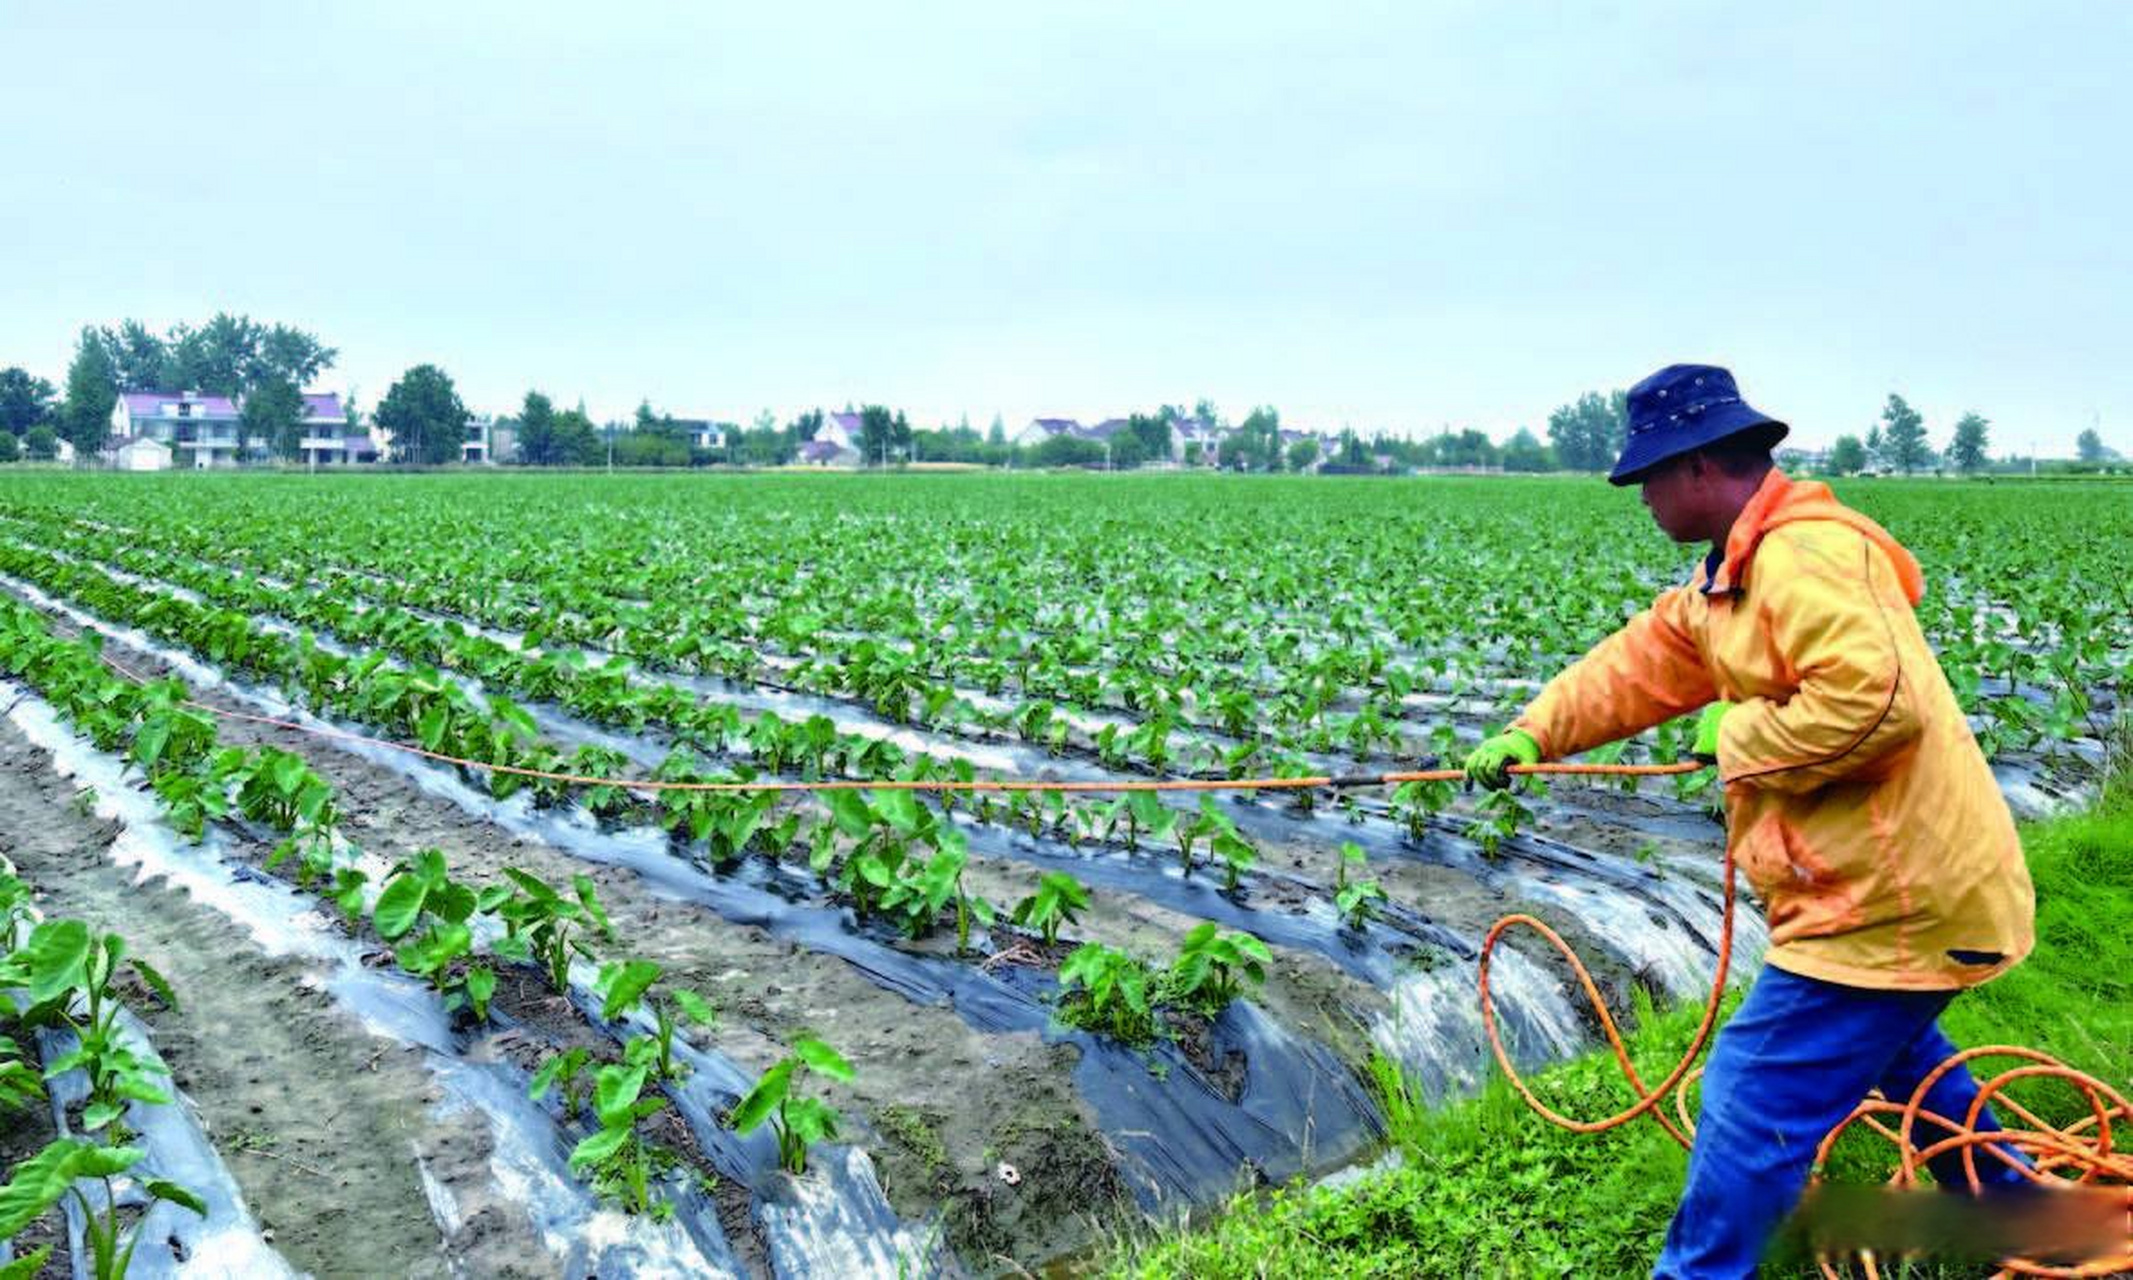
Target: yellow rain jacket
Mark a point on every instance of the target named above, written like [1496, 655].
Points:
[1857, 802]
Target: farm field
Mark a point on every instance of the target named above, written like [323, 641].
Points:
[414, 1017]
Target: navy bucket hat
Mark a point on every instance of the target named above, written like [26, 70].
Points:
[1684, 407]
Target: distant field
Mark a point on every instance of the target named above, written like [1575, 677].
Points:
[1015, 1099]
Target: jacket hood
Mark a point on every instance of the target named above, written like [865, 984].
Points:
[1783, 500]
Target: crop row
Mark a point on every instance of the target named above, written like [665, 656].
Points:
[451, 934]
[1219, 654]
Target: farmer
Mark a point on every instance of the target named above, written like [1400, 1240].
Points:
[1857, 803]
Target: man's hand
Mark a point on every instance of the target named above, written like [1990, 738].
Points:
[1706, 747]
[1490, 763]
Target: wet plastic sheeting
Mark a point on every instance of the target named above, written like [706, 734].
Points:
[172, 1240]
[529, 1164]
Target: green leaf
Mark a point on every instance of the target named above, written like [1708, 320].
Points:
[430, 729]
[37, 1183]
[825, 1060]
[849, 810]
[900, 809]
[400, 906]
[622, 984]
[58, 954]
[615, 1091]
[695, 1007]
[27, 1267]
[599, 1146]
[764, 1098]
[164, 1189]
[481, 984]
[156, 983]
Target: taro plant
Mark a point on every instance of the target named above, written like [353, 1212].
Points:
[1212, 969]
[110, 1223]
[602, 800]
[1356, 900]
[923, 891]
[619, 1161]
[1059, 899]
[419, 889]
[1498, 817]
[543, 927]
[564, 1071]
[1141, 811]
[623, 984]
[1105, 990]
[1415, 803]
[65, 971]
[799, 1122]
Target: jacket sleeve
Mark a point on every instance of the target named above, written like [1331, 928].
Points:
[1645, 674]
[1829, 603]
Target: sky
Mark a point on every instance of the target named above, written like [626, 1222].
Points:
[1381, 216]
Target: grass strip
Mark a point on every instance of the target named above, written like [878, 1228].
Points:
[1486, 1188]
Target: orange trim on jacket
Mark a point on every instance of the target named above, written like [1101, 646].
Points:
[1858, 803]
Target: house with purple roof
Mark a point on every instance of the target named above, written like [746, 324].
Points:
[1040, 430]
[845, 430]
[199, 430]
[824, 452]
[328, 440]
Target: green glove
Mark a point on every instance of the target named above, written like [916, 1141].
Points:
[1490, 763]
[1706, 748]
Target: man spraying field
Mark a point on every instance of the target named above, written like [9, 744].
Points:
[1857, 803]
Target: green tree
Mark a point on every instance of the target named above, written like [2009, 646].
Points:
[25, 400]
[1966, 452]
[218, 358]
[289, 353]
[92, 390]
[10, 447]
[577, 442]
[2088, 446]
[877, 429]
[1588, 434]
[1153, 433]
[138, 356]
[273, 411]
[1303, 453]
[997, 436]
[536, 431]
[1525, 452]
[1848, 456]
[425, 417]
[40, 444]
[1903, 434]
[806, 425]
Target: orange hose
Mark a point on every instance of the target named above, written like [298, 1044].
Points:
[2080, 1153]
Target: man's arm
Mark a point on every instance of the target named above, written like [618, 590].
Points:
[1644, 674]
[1829, 605]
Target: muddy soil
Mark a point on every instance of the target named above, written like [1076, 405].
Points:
[999, 1097]
[327, 1129]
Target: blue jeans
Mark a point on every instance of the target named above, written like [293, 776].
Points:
[1792, 1063]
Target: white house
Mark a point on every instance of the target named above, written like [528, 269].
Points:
[823, 452]
[199, 430]
[841, 429]
[140, 453]
[1185, 432]
[1040, 430]
[477, 450]
[328, 440]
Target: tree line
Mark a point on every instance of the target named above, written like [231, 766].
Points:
[264, 368]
